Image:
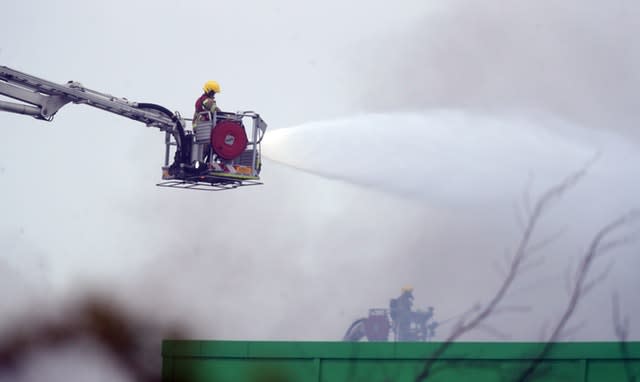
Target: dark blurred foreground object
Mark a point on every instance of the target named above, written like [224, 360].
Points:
[217, 154]
[133, 343]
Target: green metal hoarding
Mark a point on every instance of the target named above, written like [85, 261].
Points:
[240, 361]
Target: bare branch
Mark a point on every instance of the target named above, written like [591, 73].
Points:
[613, 244]
[621, 327]
[519, 256]
[542, 244]
[527, 266]
[598, 279]
[522, 252]
[578, 288]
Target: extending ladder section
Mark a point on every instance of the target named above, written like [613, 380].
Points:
[42, 99]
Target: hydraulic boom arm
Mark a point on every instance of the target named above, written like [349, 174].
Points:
[42, 99]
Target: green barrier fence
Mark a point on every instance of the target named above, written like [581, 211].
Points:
[240, 361]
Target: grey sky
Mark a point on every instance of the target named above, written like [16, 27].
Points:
[302, 255]
[576, 59]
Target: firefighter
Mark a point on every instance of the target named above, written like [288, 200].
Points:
[401, 313]
[206, 102]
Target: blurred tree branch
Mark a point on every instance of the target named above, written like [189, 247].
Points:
[621, 329]
[579, 285]
[600, 245]
[516, 264]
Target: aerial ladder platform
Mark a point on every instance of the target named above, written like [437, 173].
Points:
[219, 153]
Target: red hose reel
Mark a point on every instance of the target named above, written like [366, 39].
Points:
[228, 139]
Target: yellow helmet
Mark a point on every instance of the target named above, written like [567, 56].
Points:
[211, 86]
[406, 289]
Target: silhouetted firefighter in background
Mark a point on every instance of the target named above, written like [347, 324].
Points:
[407, 324]
[400, 311]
